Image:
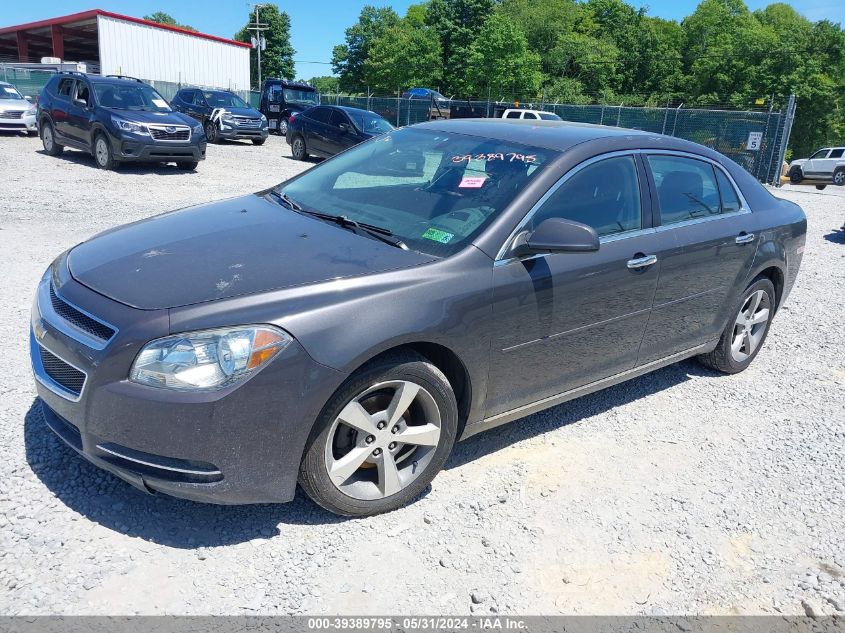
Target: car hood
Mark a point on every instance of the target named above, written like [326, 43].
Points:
[163, 118]
[15, 104]
[224, 249]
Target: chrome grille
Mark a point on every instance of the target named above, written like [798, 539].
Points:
[170, 132]
[66, 376]
[79, 319]
[245, 121]
[11, 114]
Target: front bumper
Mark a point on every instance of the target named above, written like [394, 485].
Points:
[234, 132]
[238, 445]
[134, 148]
[23, 124]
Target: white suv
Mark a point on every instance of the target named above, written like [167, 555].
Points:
[520, 113]
[827, 164]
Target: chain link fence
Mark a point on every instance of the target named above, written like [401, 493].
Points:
[754, 138]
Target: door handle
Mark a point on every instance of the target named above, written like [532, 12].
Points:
[642, 262]
[745, 238]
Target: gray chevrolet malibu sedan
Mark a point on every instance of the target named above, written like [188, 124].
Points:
[343, 329]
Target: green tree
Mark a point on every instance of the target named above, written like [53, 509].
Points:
[325, 84]
[402, 57]
[500, 62]
[165, 18]
[277, 57]
[348, 58]
[457, 23]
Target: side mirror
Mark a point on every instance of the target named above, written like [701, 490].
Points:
[556, 235]
[81, 103]
[345, 127]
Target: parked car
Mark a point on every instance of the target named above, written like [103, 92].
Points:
[344, 328]
[327, 130]
[534, 115]
[117, 119]
[16, 113]
[826, 165]
[223, 115]
[280, 99]
[440, 107]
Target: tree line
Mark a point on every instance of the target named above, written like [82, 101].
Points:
[573, 51]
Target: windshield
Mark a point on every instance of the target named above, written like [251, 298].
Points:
[305, 97]
[433, 190]
[369, 122]
[224, 100]
[129, 97]
[548, 116]
[7, 92]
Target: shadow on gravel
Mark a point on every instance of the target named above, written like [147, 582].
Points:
[574, 411]
[100, 496]
[83, 158]
[837, 237]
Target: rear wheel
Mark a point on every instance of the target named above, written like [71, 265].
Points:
[102, 152]
[795, 175]
[211, 132]
[48, 139]
[839, 176]
[381, 438]
[283, 126]
[298, 149]
[745, 333]
[258, 141]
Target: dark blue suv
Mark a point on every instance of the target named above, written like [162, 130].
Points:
[116, 119]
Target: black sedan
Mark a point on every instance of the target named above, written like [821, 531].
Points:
[345, 328]
[328, 130]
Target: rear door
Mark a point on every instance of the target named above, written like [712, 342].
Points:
[828, 164]
[707, 246]
[569, 319]
[61, 106]
[343, 134]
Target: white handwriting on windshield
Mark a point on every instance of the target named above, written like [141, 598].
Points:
[509, 157]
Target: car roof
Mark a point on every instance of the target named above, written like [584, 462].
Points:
[559, 135]
[351, 110]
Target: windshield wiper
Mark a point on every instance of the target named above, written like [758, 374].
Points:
[289, 202]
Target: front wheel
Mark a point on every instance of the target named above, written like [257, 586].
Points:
[102, 152]
[745, 333]
[381, 438]
[839, 176]
[795, 175]
[258, 141]
[187, 165]
[211, 133]
[48, 139]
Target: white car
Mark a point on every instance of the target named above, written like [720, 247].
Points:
[519, 113]
[827, 165]
[16, 113]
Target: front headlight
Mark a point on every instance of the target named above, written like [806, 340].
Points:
[209, 359]
[31, 111]
[129, 126]
[263, 118]
[228, 117]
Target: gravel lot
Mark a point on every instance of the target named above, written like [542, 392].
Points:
[682, 491]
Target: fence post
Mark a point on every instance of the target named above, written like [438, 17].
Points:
[619, 114]
[601, 121]
[784, 141]
[675, 124]
[760, 159]
[665, 116]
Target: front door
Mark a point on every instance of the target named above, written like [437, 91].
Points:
[80, 112]
[707, 249]
[814, 167]
[569, 319]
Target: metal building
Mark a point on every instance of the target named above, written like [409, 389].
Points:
[120, 44]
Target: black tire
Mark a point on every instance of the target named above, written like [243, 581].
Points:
[48, 139]
[795, 175]
[722, 359]
[211, 132]
[258, 141]
[187, 165]
[298, 149]
[821, 187]
[839, 176]
[405, 366]
[101, 148]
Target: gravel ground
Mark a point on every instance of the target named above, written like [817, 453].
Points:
[680, 492]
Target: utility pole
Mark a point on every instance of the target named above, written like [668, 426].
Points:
[258, 39]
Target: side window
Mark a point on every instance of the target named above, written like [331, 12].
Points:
[337, 118]
[836, 153]
[65, 86]
[514, 115]
[822, 153]
[186, 96]
[322, 115]
[686, 188]
[83, 93]
[730, 201]
[604, 195]
[529, 115]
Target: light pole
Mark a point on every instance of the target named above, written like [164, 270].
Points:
[258, 39]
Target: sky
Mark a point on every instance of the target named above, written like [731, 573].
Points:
[318, 25]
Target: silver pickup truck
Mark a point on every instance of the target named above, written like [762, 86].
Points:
[826, 165]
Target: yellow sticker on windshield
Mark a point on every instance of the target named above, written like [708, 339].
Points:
[438, 236]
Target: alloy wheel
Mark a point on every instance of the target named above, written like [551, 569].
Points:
[839, 178]
[298, 149]
[283, 127]
[101, 151]
[750, 325]
[382, 440]
[47, 137]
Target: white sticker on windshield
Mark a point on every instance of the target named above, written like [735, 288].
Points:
[161, 103]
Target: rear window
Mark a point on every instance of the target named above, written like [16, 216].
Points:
[65, 86]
